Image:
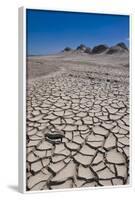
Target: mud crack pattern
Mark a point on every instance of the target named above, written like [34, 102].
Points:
[77, 131]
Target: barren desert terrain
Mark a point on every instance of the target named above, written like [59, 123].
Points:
[77, 120]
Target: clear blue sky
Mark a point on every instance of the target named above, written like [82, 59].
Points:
[50, 32]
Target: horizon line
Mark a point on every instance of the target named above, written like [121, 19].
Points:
[53, 53]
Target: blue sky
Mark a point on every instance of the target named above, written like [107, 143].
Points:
[50, 32]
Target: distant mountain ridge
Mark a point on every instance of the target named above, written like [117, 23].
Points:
[99, 49]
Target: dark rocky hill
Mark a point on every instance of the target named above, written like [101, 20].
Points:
[100, 49]
[118, 48]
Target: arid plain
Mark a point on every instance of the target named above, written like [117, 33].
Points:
[78, 118]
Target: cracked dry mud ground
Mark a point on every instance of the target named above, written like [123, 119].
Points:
[78, 129]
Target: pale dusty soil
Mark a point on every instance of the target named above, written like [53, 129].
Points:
[77, 121]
